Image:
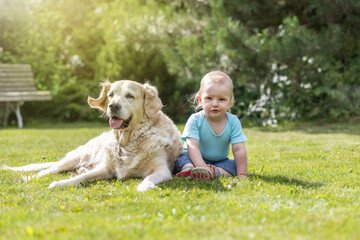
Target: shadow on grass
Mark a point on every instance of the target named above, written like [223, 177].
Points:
[182, 184]
[219, 184]
[278, 179]
[188, 184]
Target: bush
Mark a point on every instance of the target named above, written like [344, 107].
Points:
[288, 60]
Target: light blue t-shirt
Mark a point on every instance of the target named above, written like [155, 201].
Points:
[213, 147]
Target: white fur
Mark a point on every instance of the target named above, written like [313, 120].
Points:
[146, 148]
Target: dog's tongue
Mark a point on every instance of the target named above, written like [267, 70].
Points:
[115, 123]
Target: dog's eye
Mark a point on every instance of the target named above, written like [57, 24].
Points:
[111, 94]
[129, 96]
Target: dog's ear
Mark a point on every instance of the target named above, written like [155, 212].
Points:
[101, 102]
[152, 102]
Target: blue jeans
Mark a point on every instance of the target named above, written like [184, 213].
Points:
[226, 164]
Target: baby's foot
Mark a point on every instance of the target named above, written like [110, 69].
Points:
[185, 173]
[214, 170]
[202, 174]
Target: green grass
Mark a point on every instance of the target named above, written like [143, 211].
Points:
[303, 184]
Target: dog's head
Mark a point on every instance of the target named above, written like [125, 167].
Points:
[126, 103]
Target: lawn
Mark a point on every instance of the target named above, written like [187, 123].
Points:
[303, 183]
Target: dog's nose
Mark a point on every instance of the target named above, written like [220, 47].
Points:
[114, 107]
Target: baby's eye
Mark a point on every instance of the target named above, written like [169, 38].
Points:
[129, 96]
[208, 98]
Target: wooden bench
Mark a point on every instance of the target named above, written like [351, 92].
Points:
[17, 86]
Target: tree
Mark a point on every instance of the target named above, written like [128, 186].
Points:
[288, 60]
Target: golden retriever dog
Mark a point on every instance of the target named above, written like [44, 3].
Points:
[143, 143]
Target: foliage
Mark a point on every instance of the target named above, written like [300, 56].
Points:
[288, 60]
[303, 184]
[72, 49]
[131, 49]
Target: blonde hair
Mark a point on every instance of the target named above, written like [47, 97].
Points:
[215, 76]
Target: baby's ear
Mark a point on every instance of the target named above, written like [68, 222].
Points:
[101, 102]
[232, 101]
[152, 102]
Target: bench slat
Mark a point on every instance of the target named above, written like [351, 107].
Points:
[5, 67]
[3, 87]
[15, 75]
[17, 89]
[9, 70]
[25, 96]
[16, 84]
[17, 80]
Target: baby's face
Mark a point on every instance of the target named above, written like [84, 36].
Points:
[215, 99]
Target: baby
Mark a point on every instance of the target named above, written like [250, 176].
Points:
[208, 133]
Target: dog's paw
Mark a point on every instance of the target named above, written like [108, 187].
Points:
[145, 186]
[4, 167]
[55, 184]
